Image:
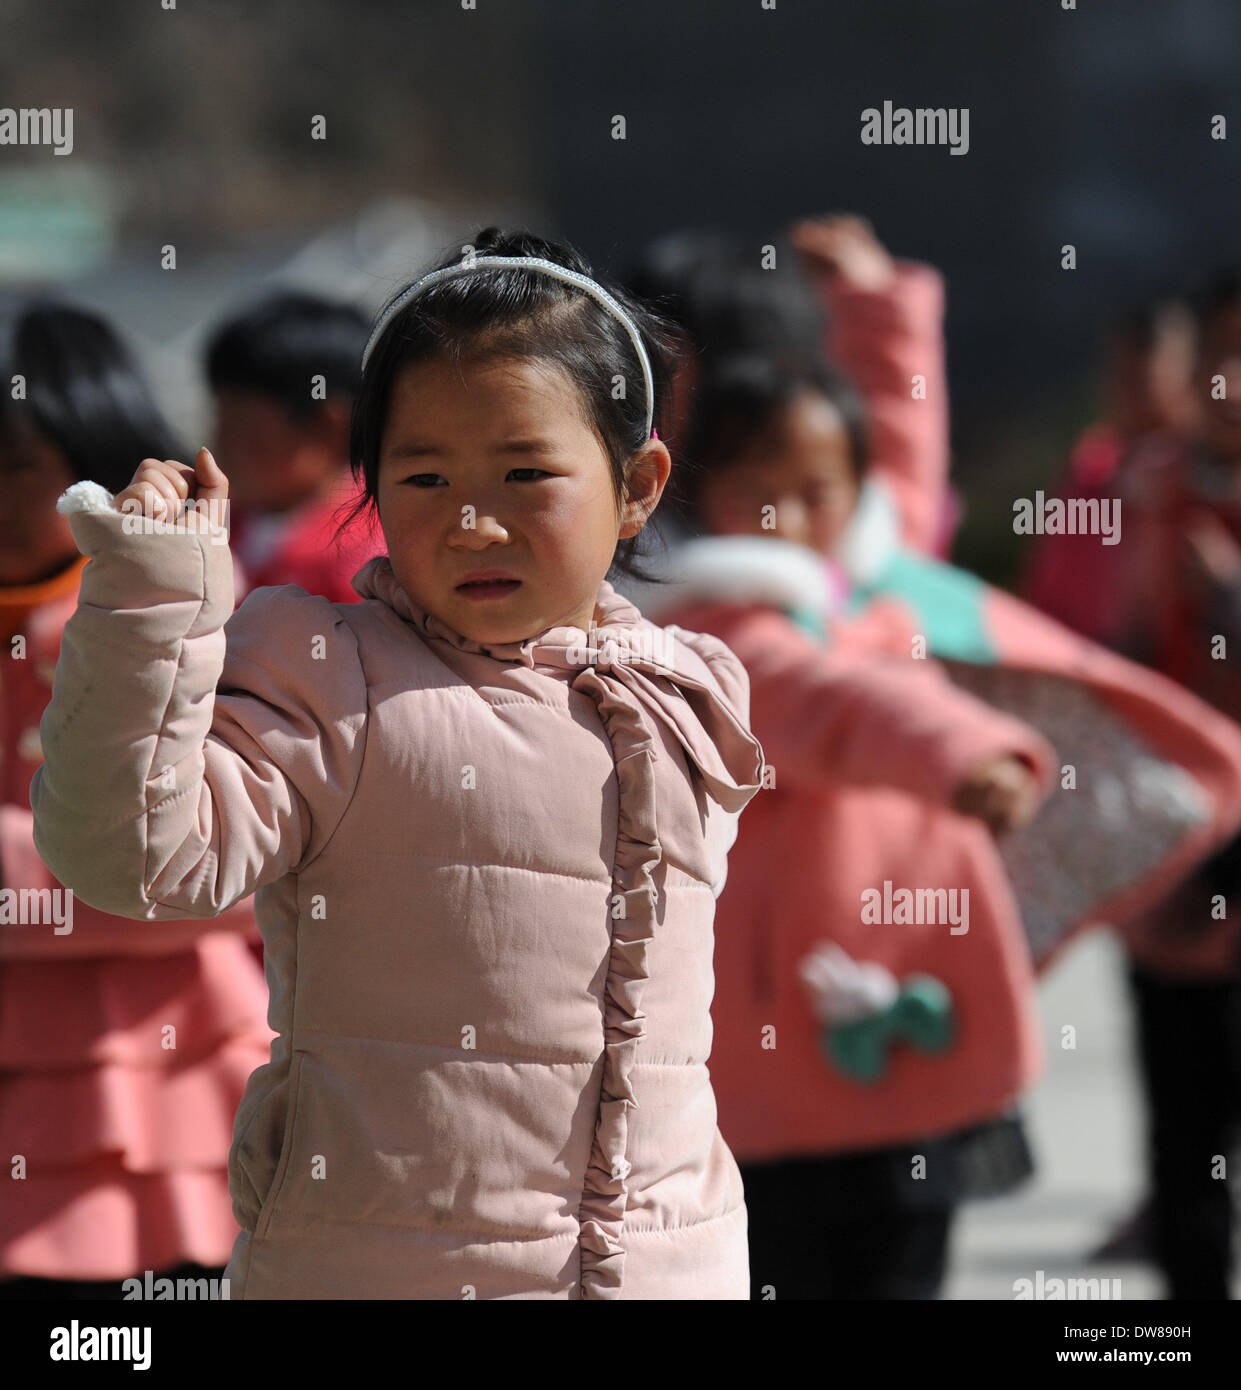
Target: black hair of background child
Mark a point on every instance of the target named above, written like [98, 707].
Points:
[85, 395]
[275, 347]
[510, 314]
[723, 299]
[1140, 325]
[740, 401]
[1220, 293]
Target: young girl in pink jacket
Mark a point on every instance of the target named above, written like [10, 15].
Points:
[486, 810]
[865, 1061]
[123, 1051]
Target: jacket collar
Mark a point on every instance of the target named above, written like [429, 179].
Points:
[616, 621]
[745, 570]
[624, 657]
[872, 537]
[783, 574]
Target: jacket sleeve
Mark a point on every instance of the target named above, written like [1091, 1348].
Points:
[883, 339]
[866, 720]
[161, 796]
[58, 927]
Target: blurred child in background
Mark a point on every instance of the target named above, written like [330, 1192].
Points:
[1178, 607]
[878, 318]
[124, 1051]
[1150, 401]
[853, 1168]
[283, 375]
[777, 455]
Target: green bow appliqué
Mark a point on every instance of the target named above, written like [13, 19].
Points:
[921, 1015]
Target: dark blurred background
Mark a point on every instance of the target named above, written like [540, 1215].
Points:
[192, 128]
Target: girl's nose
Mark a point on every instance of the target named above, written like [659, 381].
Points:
[482, 528]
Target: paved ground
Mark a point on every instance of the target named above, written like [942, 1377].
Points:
[1086, 1128]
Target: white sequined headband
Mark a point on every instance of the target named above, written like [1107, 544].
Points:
[545, 267]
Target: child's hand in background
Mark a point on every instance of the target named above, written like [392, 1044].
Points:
[845, 245]
[1003, 792]
[162, 489]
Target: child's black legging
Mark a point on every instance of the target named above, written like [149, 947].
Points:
[861, 1225]
[844, 1227]
[1189, 1042]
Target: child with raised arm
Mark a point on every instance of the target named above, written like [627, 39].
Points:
[486, 811]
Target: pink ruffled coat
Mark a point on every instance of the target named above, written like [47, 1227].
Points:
[486, 885]
[123, 1136]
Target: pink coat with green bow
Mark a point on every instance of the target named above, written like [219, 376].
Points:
[1144, 782]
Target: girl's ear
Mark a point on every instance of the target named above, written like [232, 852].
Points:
[647, 476]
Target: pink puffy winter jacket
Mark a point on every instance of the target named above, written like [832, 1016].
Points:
[486, 886]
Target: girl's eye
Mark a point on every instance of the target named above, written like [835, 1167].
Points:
[423, 480]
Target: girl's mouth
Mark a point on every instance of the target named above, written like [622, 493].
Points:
[489, 588]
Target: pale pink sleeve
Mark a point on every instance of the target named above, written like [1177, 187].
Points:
[161, 796]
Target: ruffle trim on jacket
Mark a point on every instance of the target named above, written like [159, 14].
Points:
[638, 851]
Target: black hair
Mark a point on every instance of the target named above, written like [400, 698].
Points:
[502, 313]
[725, 302]
[739, 400]
[1221, 292]
[276, 346]
[84, 394]
[1140, 324]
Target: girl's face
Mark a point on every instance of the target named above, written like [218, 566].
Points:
[36, 542]
[797, 485]
[493, 466]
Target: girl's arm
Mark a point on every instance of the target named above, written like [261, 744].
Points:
[53, 925]
[828, 717]
[161, 796]
[886, 331]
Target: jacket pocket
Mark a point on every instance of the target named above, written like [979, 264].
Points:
[267, 1210]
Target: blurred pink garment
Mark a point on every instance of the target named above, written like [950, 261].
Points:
[949, 521]
[864, 744]
[890, 342]
[1074, 578]
[301, 546]
[865, 753]
[124, 1049]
